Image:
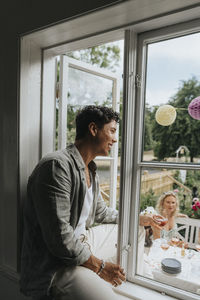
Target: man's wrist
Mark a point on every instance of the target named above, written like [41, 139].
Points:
[93, 263]
[101, 267]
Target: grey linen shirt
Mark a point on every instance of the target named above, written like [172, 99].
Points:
[55, 195]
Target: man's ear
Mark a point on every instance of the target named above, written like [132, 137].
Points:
[93, 128]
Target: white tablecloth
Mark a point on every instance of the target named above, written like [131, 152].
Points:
[188, 278]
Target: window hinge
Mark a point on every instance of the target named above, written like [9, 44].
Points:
[138, 80]
[126, 248]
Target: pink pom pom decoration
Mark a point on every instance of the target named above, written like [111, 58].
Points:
[194, 108]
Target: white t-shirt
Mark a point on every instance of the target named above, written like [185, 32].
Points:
[80, 228]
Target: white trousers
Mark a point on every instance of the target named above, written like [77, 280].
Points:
[80, 283]
[103, 241]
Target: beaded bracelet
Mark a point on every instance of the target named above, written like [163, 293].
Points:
[101, 267]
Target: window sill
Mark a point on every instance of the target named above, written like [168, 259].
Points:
[133, 291]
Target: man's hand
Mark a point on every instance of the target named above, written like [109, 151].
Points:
[113, 273]
[152, 220]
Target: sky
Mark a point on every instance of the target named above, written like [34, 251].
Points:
[168, 63]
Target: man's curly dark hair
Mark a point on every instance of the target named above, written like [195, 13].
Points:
[100, 115]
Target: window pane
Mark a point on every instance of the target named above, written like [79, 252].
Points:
[103, 167]
[104, 173]
[173, 194]
[86, 89]
[173, 78]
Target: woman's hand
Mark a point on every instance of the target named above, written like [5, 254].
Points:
[162, 221]
[113, 273]
[179, 215]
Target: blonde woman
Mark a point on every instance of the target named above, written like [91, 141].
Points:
[168, 207]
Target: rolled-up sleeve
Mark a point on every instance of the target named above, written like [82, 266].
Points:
[51, 190]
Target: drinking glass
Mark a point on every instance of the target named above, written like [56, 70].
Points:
[174, 242]
[164, 246]
[163, 221]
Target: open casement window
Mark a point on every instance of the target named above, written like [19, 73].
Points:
[77, 82]
[153, 176]
[37, 122]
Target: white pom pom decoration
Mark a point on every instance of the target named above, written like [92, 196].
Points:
[165, 115]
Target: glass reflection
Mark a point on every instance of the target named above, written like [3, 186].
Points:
[173, 78]
[87, 89]
[169, 228]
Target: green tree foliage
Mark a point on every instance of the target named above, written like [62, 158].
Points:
[148, 199]
[71, 114]
[193, 179]
[148, 139]
[104, 56]
[185, 130]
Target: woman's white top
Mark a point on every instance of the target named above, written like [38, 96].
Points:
[80, 228]
[169, 234]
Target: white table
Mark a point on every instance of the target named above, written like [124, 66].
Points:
[188, 278]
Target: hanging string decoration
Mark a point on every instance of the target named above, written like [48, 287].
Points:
[194, 108]
[165, 115]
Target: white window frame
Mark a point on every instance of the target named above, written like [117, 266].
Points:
[66, 63]
[138, 111]
[38, 50]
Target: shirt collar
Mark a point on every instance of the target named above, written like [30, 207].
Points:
[72, 149]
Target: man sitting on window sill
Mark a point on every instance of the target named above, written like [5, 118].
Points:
[63, 256]
[63, 199]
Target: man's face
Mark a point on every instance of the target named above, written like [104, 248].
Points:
[105, 138]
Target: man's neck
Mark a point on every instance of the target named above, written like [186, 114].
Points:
[86, 150]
